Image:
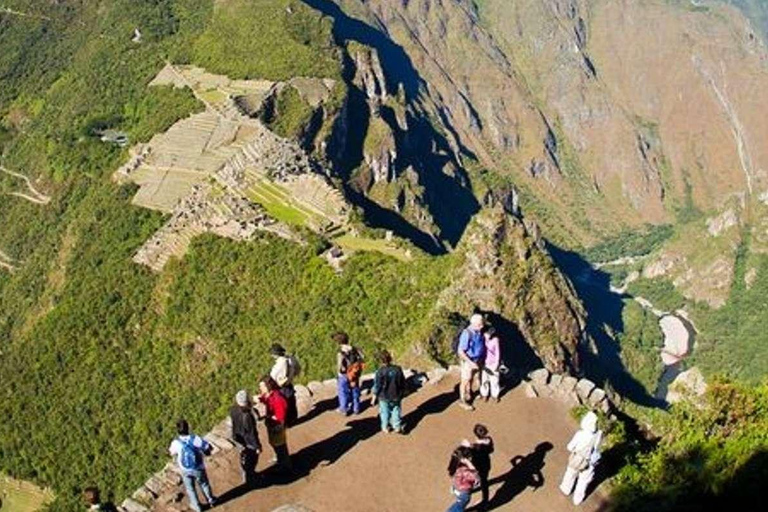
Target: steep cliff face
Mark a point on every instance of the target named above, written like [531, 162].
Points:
[607, 124]
[506, 271]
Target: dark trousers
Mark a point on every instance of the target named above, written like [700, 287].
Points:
[484, 486]
[249, 458]
[292, 414]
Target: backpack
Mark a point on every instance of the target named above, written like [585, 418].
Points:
[190, 457]
[352, 364]
[294, 366]
[579, 460]
[457, 341]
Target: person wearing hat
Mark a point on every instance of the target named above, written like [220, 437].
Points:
[93, 501]
[584, 455]
[284, 370]
[246, 436]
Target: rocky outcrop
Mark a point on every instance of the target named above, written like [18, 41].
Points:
[506, 270]
[569, 390]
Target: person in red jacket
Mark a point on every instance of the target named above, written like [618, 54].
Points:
[275, 420]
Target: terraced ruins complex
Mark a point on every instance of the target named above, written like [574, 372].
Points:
[223, 171]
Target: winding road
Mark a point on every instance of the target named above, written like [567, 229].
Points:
[35, 196]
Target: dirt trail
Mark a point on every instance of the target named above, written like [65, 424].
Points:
[6, 262]
[36, 196]
[347, 465]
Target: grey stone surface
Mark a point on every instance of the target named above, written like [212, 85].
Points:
[597, 396]
[555, 380]
[530, 391]
[583, 388]
[540, 376]
[567, 385]
[131, 505]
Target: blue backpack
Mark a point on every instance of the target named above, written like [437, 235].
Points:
[190, 457]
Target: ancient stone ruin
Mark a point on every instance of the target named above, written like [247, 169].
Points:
[219, 171]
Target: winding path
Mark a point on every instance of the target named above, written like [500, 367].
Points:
[6, 262]
[35, 195]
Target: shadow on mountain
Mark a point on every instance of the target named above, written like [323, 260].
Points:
[745, 490]
[604, 310]
[447, 195]
[397, 65]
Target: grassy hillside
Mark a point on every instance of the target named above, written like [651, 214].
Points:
[106, 352]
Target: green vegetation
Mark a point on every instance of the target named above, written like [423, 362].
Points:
[291, 114]
[275, 39]
[661, 292]
[19, 496]
[707, 458]
[640, 342]
[355, 243]
[630, 243]
[278, 203]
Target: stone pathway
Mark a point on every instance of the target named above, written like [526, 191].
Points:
[388, 472]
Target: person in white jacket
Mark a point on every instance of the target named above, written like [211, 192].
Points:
[584, 451]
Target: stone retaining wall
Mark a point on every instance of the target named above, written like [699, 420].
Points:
[567, 389]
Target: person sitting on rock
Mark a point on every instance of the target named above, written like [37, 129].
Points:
[189, 450]
[490, 374]
[245, 434]
[93, 501]
[349, 368]
[285, 369]
[584, 455]
[471, 352]
[464, 478]
[389, 390]
[274, 419]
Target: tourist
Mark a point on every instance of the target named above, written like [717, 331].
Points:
[349, 367]
[274, 419]
[490, 374]
[389, 390]
[284, 370]
[585, 453]
[93, 501]
[471, 352]
[482, 448]
[246, 436]
[189, 450]
[464, 478]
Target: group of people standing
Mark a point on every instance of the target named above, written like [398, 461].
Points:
[479, 351]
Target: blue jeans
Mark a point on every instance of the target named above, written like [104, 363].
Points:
[462, 500]
[389, 412]
[349, 397]
[199, 476]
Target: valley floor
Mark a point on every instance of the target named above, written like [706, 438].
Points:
[347, 465]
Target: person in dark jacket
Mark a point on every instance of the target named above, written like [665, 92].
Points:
[389, 390]
[482, 448]
[246, 436]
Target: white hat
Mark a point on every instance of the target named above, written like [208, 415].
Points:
[241, 398]
[476, 321]
[589, 422]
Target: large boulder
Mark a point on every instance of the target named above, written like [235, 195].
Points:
[507, 271]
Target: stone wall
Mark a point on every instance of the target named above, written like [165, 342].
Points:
[567, 389]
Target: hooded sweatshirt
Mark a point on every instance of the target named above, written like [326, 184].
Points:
[588, 437]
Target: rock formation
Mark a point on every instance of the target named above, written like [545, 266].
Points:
[507, 271]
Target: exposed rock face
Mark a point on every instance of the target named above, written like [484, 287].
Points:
[576, 100]
[507, 271]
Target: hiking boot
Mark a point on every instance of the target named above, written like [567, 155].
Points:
[400, 431]
[384, 430]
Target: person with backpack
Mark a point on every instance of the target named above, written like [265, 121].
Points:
[482, 448]
[274, 419]
[246, 436]
[349, 368]
[584, 455]
[389, 390]
[464, 478]
[471, 351]
[490, 374]
[189, 450]
[285, 369]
